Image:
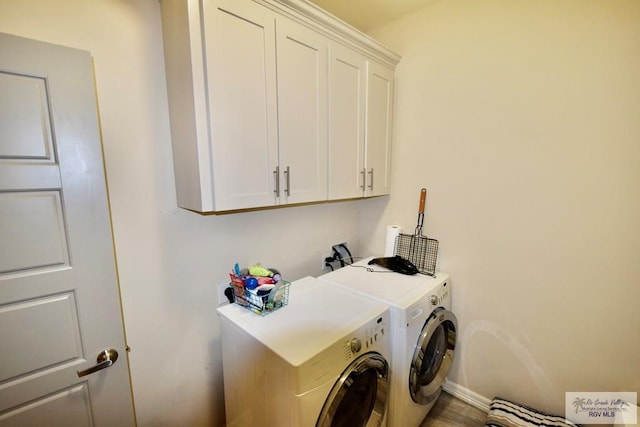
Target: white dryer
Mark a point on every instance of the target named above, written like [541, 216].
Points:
[323, 360]
[423, 333]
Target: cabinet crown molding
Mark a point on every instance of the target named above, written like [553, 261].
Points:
[335, 28]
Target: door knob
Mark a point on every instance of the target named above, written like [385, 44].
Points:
[105, 359]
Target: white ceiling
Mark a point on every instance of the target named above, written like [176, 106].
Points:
[368, 14]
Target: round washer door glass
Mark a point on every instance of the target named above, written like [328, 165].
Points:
[433, 356]
[359, 397]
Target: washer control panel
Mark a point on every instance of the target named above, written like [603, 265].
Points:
[370, 336]
[419, 311]
[374, 333]
[355, 345]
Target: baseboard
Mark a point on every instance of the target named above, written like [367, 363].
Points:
[466, 395]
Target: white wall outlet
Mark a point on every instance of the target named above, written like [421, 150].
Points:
[222, 298]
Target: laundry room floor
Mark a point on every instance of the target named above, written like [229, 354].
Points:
[452, 412]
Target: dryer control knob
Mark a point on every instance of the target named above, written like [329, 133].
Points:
[434, 299]
[356, 345]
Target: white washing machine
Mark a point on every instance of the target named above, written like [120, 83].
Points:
[323, 360]
[423, 333]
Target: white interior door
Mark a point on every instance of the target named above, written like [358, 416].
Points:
[59, 301]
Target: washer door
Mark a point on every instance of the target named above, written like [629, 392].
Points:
[359, 397]
[433, 356]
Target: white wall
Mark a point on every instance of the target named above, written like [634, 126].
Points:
[170, 261]
[522, 120]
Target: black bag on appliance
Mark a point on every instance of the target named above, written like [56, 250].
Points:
[397, 264]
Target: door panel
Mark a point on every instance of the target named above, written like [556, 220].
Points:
[54, 342]
[242, 94]
[63, 408]
[33, 230]
[25, 131]
[347, 78]
[59, 302]
[302, 112]
[379, 119]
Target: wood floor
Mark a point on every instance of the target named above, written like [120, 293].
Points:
[452, 412]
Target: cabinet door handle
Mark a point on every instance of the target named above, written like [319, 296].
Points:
[287, 175]
[364, 178]
[276, 175]
[371, 182]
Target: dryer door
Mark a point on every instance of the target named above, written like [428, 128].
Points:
[359, 397]
[433, 356]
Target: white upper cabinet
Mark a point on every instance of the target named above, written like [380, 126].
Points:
[347, 97]
[378, 133]
[302, 112]
[241, 75]
[273, 102]
[360, 118]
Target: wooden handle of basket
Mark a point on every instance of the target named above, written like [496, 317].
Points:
[423, 198]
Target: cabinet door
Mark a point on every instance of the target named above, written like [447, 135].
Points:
[241, 74]
[347, 80]
[378, 136]
[302, 112]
